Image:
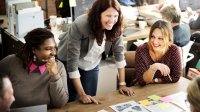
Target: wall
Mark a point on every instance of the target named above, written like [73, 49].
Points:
[51, 7]
[107, 81]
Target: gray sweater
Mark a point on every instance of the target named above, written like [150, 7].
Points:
[181, 34]
[35, 88]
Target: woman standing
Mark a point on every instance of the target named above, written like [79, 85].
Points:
[82, 46]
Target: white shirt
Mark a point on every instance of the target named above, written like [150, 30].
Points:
[93, 57]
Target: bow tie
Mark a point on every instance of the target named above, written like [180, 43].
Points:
[41, 68]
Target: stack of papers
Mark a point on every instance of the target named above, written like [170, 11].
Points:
[154, 103]
[180, 99]
[130, 106]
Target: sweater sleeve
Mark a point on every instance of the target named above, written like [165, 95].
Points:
[140, 66]
[5, 64]
[118, 50]
[69, 48]
[175, 66]
[58, 87]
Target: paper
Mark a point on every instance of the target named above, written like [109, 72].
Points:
[180, 99]
[61, 5]
[159, 106]
[145, 102]
[102, 110]
[166, 99]
[154, 97]
[129, 13]
[130, 106]
[163, 106]
[72, 3]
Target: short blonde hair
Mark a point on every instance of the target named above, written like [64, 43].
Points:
[170, 12]
[193, 96]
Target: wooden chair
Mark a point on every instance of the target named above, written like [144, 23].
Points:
[130, 67]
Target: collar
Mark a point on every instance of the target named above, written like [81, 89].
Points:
[32, 67]
[176, 27]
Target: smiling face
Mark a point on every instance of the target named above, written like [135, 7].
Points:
[46, 51]
[157, 42]
[160, 37]
[108, 18]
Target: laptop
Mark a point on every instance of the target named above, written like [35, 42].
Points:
[38, 108]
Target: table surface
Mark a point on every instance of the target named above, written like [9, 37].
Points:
[142, 33]
[130, 15]
[113, 98]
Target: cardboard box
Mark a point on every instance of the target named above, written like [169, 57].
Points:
[193, 73]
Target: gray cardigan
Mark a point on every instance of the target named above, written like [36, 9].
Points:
[76, 42]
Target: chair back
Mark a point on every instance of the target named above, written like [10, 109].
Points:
[130, 67]
[186, 56]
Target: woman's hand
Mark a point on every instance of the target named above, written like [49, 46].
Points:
[164, 69]
[86, 99]
[126, 90]
[52, 66]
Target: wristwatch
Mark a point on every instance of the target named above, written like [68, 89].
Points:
[155, 80]
[122, 83]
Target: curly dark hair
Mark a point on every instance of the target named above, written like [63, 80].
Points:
[34, 39]
[94, 19]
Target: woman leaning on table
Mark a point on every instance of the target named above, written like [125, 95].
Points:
[82, 46]
[193, 95]
[158, 60]
[37, 77]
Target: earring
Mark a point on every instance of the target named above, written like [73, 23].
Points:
[34, 58]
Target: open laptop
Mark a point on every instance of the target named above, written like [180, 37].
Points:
[38, 108]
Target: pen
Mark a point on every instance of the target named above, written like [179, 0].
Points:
[170, 77]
